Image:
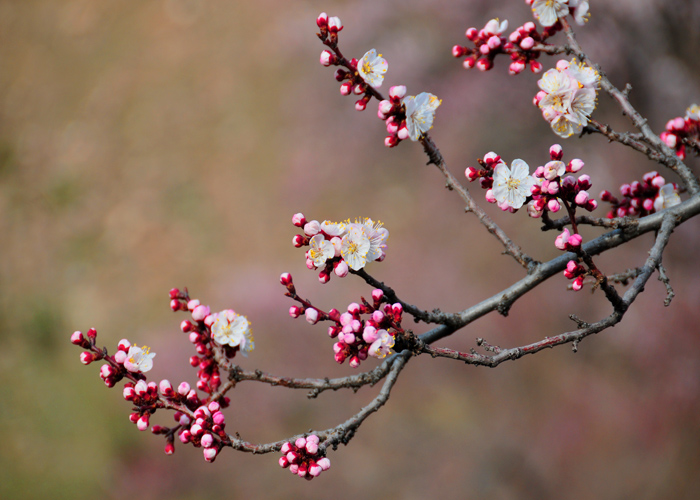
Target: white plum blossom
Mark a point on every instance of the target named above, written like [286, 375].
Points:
[377, 236]
[693, 113]
[548, 12]
[354, 248]
[580, 8]
[333, 228]
[321, 250]
[139, 359]
[382, 346]
[372, 68]
[494, 27]
[420, 112]
[568, 96]
[234, 330]
[511, 187]
[667, 197]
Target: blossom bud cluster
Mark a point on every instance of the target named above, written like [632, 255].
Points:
[683, 130]
[302, 457]
[577, 272]
[548, 12]
[567, 96]
[546, 189]
[567, 241]
[520, 46]
[407, 117]
[205, 430]
[340, 246]
[328, 27]
[357, 337]
[642, 198]
[488, 43]
[553, 188]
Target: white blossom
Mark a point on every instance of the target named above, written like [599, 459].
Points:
[667, 197]
[693, 113]
[420, 112]
[321, 250]
[139, 359]
[512, 186]
[382, 346]
[372, 68]
[354, 248]
[548, 12]
[234, 330]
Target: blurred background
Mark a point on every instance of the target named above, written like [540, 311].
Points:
[166, 143]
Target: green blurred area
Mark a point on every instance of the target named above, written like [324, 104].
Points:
[166, 143]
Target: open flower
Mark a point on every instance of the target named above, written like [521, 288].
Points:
[234, 330]
[548, 12]
[667, 197]
[511, 187]
[580, 8]
[377, 236]
[354, 247]
[372, 68]
[420, 112]
[382, 346]
[139, 359]
[321, 250]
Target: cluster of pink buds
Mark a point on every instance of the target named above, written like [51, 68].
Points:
[205, 430]
[302, 457]
[567, 241]
[642, 198]
[328, 27]
[681, 131]
[144, 397]
[521, 43]
[552, 189]
[358, 337]
[488, 43]
[407, 117]
[340, 246]
[577, 272]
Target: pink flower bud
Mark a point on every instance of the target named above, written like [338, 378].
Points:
[298, 219]
[311, 315]
[327, 58]
[397, 91]
[324, 277]
[385, 107]
[457, 51]
[354, 362]
[142, 422]
[581, 198]
[553, 205]
[658, 182]
[322, 20]
[298, 241]
[325, 463]
[207, 440]
[494, 42]
[341, 269]
[561, 240]
[286, 448]
[86, 358]
[169, 448]
[577, 284]
[574, 165]
[349, 338]
[183, 389]
[286, 279]
[91, 334]
[370, 334]
[516, 67]
[200, 312]
[490, 197]
[484, 64]
[575, 240]
[210, 454]
[78, 339]
[402, 133]
[166, 387]
[315, 470]
[334, 24]
[469, 63]
[556, 152]
[284, 463]
[527, 43]
[472, 34]
[391, 141]
[312, 228]
[535, 66]
[648, 204]
[293, 468]
[584, 182]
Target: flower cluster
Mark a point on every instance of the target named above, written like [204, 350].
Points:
[199, 422]
[303, 458]
[568, 96]
[488, 43]
[642, 198]
[680, 131]
[577, 272]
[546, 189]
[358, 337]
[548, 12]
[407, 117]
[340, 246]
[225, 332]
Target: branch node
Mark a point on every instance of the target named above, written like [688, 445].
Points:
[579, 322]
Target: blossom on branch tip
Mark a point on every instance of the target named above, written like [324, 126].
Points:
[372, 68]
[321, 250]
[139, 359]
[667, 197]
[234, 330]
[382, 345]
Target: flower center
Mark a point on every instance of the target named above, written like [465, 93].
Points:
[513, 183]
